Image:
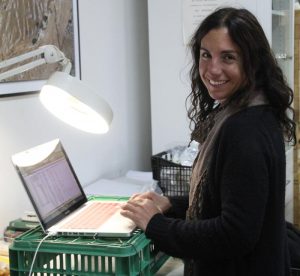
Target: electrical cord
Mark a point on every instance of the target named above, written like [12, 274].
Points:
[37, 249]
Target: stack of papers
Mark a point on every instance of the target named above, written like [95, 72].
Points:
[132, 183]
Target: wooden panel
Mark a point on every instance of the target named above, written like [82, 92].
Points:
[297, 110]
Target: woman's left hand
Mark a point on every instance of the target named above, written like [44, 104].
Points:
[140, 210]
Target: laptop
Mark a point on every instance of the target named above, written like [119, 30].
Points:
[59, 200]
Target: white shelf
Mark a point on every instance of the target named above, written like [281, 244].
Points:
[278, 13]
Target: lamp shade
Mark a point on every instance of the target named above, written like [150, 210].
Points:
[73, 102]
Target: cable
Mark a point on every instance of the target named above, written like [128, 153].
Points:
[37, 249]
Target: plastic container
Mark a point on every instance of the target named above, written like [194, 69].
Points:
[173, 178]
[84, 255]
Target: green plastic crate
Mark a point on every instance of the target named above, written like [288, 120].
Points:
[87, 256]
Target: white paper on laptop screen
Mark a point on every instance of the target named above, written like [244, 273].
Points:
[51, 183]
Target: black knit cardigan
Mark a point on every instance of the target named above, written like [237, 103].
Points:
[241, 230]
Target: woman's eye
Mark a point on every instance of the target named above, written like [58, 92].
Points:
[204, 55]
[229, 58]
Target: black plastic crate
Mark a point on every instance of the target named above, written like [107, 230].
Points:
[173, 178]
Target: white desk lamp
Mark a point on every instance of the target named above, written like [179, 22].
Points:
[63, 95]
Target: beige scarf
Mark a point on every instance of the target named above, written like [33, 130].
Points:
[203, 160]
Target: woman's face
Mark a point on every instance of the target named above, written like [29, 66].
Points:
[220, 64]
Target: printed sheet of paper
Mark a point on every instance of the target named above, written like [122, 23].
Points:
[194, 11]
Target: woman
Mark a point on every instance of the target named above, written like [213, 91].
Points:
[233, 222]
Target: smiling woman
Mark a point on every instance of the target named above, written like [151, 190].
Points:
[233, 222]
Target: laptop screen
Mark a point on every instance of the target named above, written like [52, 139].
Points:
[50, 181]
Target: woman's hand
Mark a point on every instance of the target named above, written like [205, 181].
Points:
[142, 207]
[140, 211]
[162, 202]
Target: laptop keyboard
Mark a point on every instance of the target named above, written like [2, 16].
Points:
[93, 216]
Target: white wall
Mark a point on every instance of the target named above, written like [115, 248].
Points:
[114, 61]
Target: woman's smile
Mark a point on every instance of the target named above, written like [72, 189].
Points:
[217, 83]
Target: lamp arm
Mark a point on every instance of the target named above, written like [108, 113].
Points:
[47, 54]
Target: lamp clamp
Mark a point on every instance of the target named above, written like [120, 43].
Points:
[47, 54]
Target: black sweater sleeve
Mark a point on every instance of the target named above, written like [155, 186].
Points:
[179, 207]
[242, 167]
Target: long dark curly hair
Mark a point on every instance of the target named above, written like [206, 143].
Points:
[259, 64]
